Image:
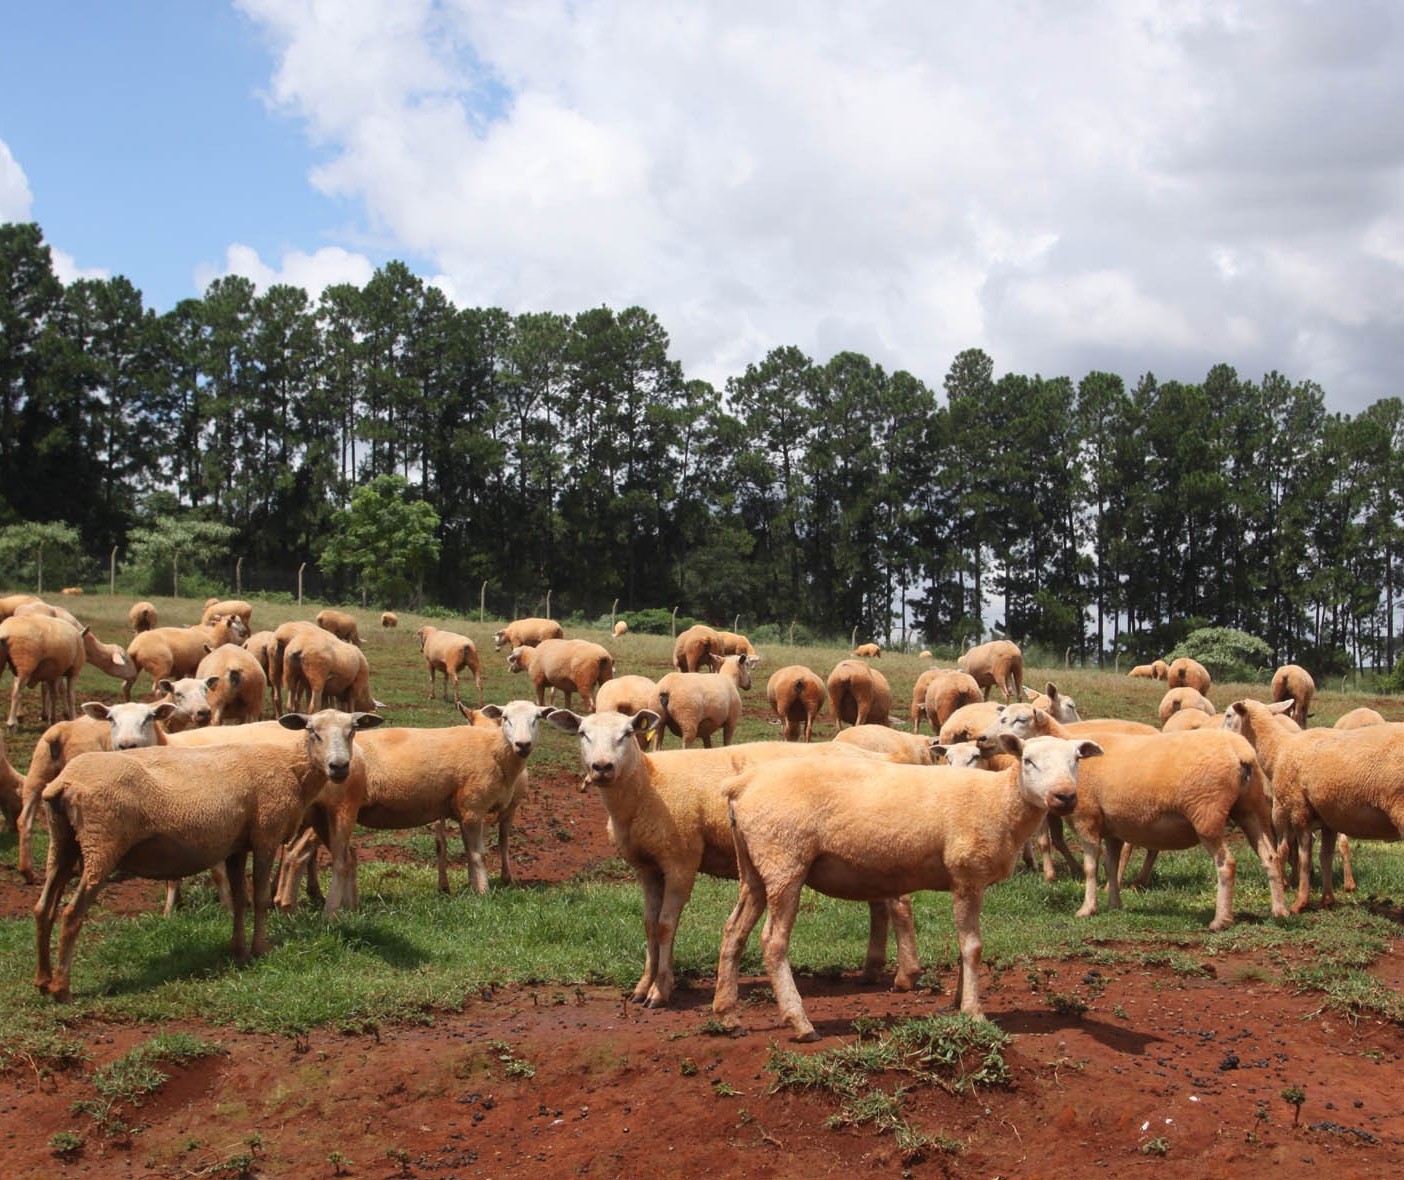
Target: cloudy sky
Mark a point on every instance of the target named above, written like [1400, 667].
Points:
[1088, 184]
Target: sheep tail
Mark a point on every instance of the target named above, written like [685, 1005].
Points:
[663, 700]
[799, 686]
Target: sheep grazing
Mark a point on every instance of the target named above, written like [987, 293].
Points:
[1176, 699]
[797, 696]
[173, 652]
[108, 658]
[868, 651]
[894, 830]
[328, 668]
[526, 633]
[450, 653]
[918, 709]
[340, 624]
[1292, 682]
[883, 739]
[924, 654]
[733, 644]
[1156, 670]
[169, 813]
[142, 617]
[858, 694]
[1188, 673]
[472, 773]
[71, 591]
[667, 818]
[945, 693]
[620, 628]
[11, 602]
[694, 648]
[389, 619]
[41, 650]
[630, 695]
[235, 608]
[1359, 719]
[235, 685]
[997, 664]
[697, 706]
[283, 635]
[1343, 781]
[1058, 705]
[571, 665]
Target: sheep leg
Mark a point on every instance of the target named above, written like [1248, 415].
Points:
[219, 878]
[1226, 870]
[775, 948]
[1328, 862]
[1303, 869]
[64, 855]
[1044, 842]
[239, 903]
[72, 710]
[1091, 856]
[451, 676]
[77, 910]
[172, 898]
[504, 835]
[651, 880]
[899, 909]
[879, 922]
[16, 689]
[299, 856]
[965, 904]
[33, 801]
[441, 854]
[1257, 827]
[335, 830]
[676, 892]
[1060, 842]
[750, 904]
[1114, 846]
[472, 832]
[1343, 847]
[262, 893]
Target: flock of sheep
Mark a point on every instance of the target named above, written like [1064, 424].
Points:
[875, 815]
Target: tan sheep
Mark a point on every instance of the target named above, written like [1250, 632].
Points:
[694, 648]
[44, 651]
[667, 818]
[168, 813]
[1359, 719]
[1292, 682]
[1189, 719]
[450, 653]
[283, 635]
[142, 617]
[697, 706]
[571, 665]
[329, 669]
[1157, 670]
[968, 722]
[1058, 705]
[918, 709]
[1343, 781]
[228, 608]
[997, 664]
[389, 619]
[108, 658]
[924, 654]
[526, 633]
[235, 683]
[263, 646]
[10, 602]
[173, 652]
[340, 624]
[858, 694]
[11, 789]
[733, 644]
[630, 695]
[620, 628]
[1188, 673]
[1176, 699]
[868, 651]
[191, 697]
[883, 739]
[797, 696]
[71, 591]
[945, 693]
[895, 830]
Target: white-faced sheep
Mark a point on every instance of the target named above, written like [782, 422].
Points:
[894, 830]
[694, 648]
[667, 818]
[997, 664]
[340, 624]
[235, 685]
[858, 694]
[571, 665]
[526, 633]
[1188, 673]
[168, 813]
[697, 706]
[797, 696]
[1176, 699]
[1292, 682]
[1058, 705]
[450, 653]
[173, 652]
[45, 651]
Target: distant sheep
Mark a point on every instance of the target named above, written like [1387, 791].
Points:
[389, 619]
[526, 633]
[797, 696]
[868, 651]
[696, 706]
[450, 653]
[44, 651]
[571, 665]
[142, 617]
[167, 652]
[733, 644]
[858, 694]
[1292, 682]
[235, 684]
[630, 695]
[997, 664]
[340, 624]
[620, 628]
[694, 648]
[1188, 673]
[229, 607]
[1157, 670]
[1176, 699]
[946, 692]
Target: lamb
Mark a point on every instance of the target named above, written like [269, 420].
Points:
[947, 692]
[228, 608]
[620, 628]
[1359, 718]
[797, 695]
[858, 694]
[142, 617]
[997, 664]
[167, 652]
[667, 818]
[449, 652]
[235, 683]
[694, 648]
[1344, 781]
[883, 739]
[41, 650]
[1176, 699]
[389, 619]
[1188, 673]
[1292, 682]
[894, 831]
[169, 813]
[469, 773]
[1156, 670]
[340, 624]
[327, 667]
[526, 633]
[630, 695]
[868, 651]
[571, 665]
[697, 706]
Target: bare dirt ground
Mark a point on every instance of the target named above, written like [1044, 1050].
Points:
[1195, 1066]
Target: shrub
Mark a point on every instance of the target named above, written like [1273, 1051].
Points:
[1228, 654]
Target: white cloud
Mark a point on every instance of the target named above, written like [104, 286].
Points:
[1117, 183]
[69, 271]
[15, 197]
[312, 272]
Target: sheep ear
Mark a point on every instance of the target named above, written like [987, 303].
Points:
[366, 720]
[465, 710]
[1051, 692]
[938, 749]
[752, 661]
[211, 682]
[644, 720]
[94, 709]
[565, 720]
[1089, 749]
[163, 710]
[1282, 706]
[165, 686]
[1010, 743]
[293, 720]
[491, 712]
[1030, 693]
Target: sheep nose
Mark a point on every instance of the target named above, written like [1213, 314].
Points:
[1065, 800]
[337, 771]
[602, 769]
[202, 716]
[523, 748]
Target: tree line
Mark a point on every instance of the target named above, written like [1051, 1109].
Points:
[571, 452]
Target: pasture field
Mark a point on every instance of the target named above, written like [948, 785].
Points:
[468, 1035]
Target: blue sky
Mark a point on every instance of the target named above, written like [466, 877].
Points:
[1129, 185]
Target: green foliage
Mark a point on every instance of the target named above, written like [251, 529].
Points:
[1226, 653]
[173, 552]
[654, 621]
[65, 1144]
[33, 551]
[139, 1072]
[386, 539]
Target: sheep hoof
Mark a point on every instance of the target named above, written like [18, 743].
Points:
[806, 1038]
[1220, 924]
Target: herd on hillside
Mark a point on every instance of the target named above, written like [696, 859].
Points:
[194, 780]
